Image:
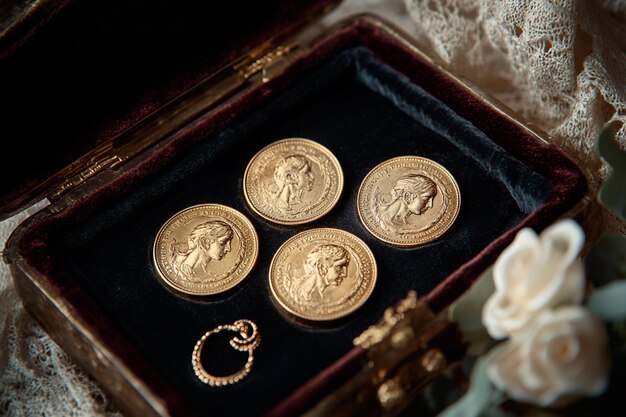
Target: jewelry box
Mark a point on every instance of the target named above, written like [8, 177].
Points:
[137, 113]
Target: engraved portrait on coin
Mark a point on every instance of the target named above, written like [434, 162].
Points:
[326, 265]
[322, 274]
[293, 181]
[292, 177]
[208, 241]
[205, 249]
[408, 201]
[412, 194]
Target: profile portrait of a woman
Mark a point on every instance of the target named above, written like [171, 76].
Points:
[412, 194]
[325, 266]
[208, 241]
[292, 177]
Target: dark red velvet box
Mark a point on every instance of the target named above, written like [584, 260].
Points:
[163, 108]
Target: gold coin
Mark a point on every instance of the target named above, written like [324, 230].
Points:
[293, 181]
[205, 249]
[408, 201]
[322, 274]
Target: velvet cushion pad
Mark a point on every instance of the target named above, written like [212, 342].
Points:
[365, 113]
[91, 69]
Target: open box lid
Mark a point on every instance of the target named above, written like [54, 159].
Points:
[78, 80]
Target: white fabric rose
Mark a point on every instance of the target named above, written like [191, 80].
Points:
[532, 274]
[564, 355]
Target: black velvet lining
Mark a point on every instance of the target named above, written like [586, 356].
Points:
[365, 113]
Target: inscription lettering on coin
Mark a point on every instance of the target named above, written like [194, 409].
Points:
[205, 249]
[408, 201]
[322, 274]
[293, 181]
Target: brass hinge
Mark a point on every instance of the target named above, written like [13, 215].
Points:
[262, 63]
[90, 171]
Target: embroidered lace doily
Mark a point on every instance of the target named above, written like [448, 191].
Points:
[562, 64]
[36, 377]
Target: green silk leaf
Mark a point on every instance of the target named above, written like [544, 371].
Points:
[480, 397]
[612, 194]
[609, 301]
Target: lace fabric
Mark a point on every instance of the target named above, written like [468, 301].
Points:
[36, 377]
[561, 64]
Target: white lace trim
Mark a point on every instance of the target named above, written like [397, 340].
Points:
[36, 377]
[560, 64]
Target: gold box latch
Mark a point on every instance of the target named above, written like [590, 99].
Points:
[400, 361]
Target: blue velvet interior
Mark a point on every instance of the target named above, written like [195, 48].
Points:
[365, 113]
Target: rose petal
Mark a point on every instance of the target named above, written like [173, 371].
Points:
[566, 237]
[535, 273]
[564, 353]
[502, 318]
[511, 264]
[561, 278]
